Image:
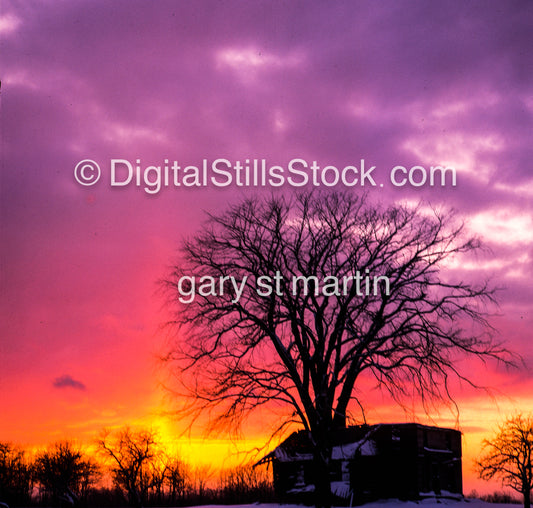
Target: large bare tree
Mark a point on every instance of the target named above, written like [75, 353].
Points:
[509, 456]
[293, 301]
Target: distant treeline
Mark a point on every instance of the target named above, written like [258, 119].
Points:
[127, 468]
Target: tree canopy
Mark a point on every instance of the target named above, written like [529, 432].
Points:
[65, 472]
[292, 300]
[509, 456]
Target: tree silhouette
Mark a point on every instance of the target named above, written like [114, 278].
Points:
[15, 475]
[509, 456]
[133, 455]
[176, 477]
[335, 289]
[65, 473]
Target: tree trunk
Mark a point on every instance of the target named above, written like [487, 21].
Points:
[527, 498]
[321, 463]
[339, 421]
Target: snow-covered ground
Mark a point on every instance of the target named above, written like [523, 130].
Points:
[438, 503]
[391, 503]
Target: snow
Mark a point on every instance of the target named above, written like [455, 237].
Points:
[283, 456]
[299, 490]
[437, 503]
[365, 446]
[341, 489]
[389, 503]
[348, 451]
[436, 450]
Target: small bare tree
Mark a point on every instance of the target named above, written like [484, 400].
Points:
[65, 473]
[201, 476]
[177, 478]
[244, 484]
[132, 455]
[15, 475]
[509, 456]
[294, 301]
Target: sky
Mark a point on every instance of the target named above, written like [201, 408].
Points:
[393, 83]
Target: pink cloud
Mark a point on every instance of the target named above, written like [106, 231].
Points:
[424, 83]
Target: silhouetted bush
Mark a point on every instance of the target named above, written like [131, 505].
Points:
[496, 497]
[244, 485]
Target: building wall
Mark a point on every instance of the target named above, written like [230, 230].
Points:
[410, 461]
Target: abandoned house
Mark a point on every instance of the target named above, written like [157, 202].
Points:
[369, 462]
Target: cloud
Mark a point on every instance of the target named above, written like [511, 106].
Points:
[67, 381]
[418, 83]
[8, 24]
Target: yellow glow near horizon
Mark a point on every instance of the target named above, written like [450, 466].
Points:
[217, 453]
[478, 420]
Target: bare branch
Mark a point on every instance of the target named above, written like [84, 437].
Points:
[292, 301]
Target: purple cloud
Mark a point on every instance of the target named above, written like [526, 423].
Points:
[392, 82]
[68, 381]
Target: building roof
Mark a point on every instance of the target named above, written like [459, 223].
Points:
[346, 442]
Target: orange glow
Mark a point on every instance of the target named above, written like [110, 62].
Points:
[81, 312]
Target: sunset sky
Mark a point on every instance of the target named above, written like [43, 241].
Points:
[394, 83]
